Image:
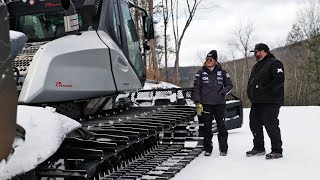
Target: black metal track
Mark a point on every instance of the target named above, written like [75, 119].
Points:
[137, 143]
[108, 146]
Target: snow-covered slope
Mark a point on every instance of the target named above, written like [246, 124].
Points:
[300, 135]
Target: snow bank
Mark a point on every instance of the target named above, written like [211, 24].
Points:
[45, 130]
[17, 41]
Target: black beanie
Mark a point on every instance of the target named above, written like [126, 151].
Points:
[213, 54]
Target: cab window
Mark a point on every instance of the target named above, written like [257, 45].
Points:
[43, 26]
[116, 21]
[132, 39]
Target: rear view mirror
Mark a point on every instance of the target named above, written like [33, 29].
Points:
[71, 17]
[88, 12]
[148, 28]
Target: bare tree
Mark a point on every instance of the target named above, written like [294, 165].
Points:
[153, 45]
[309, 22]
[241, 40]
[309, 18]
[295, 35]
[150, 57]
[201, 55]
[232, 69]
[191, 9]
[165, 16]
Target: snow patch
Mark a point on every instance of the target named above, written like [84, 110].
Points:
[148, 99]
[45, 131]
[158, 85]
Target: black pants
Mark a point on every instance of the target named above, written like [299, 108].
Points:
[265, 115]
[217, 112]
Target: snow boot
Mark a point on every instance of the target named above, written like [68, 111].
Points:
[207, 154]
[254, 152]
[223, 153]
[274, 155]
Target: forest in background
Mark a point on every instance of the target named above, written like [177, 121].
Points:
[300, 54]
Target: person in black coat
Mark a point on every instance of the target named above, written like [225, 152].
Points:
[266, 93]
[211, 85]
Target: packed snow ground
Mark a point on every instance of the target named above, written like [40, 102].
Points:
[300, 135]
[45, 131]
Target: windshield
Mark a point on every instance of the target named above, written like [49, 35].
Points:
[43, 26]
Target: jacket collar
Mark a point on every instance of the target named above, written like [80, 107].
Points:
[216, 68]
[266, 57]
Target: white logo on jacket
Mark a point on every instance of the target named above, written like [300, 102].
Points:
[219, 73]
[279, 70]
[205, 78]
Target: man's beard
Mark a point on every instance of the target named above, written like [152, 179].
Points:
[257, 57]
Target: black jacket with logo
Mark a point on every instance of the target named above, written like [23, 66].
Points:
[266, 82]
[211, 87]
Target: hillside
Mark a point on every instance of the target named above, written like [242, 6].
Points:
[298, 84]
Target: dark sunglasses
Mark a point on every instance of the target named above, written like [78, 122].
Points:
[255, 52]
[209, 59]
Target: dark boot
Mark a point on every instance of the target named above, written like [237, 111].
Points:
[274, 155]
[255, 152]
[223, 153]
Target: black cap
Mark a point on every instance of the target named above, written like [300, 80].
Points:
[213, 54]
[260, 47]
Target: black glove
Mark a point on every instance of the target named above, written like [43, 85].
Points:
[222, 93]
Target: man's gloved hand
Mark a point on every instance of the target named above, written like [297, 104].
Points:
[199, 109]
[222, 93]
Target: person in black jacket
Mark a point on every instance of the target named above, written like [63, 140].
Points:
[266, 93]
[212, 84]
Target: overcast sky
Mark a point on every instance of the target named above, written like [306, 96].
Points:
[213, 27]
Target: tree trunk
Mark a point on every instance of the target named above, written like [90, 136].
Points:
[166, 50]
[153, 45]
[165, 14]
[176, 69]
[247, 66]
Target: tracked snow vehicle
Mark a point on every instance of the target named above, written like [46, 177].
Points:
[101, 58]
[80, 56]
